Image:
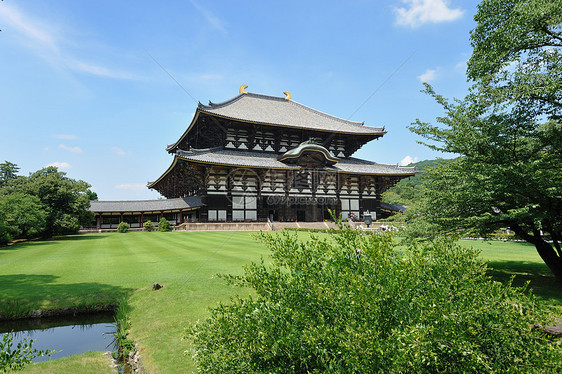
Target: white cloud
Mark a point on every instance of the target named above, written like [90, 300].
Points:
[65, 137]
[33, 31]
[461, 65]
[118, 151]
[44, 40]
[131, 186]
[418, 12]
[408, 160]
[100, 71]
[60, 165]
[210, 17]
[71, 149]
[428, 76]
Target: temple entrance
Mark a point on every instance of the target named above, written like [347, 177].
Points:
[298, 208]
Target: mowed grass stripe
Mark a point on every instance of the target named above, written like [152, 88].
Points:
[88, 269]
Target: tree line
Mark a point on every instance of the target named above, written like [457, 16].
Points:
[44, 204]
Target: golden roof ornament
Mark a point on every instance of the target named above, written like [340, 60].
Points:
[243, 89]
[287, 95]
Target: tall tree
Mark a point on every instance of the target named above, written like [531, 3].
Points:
[507, 130]
[23, 215]
[65, 200]
[8, 170]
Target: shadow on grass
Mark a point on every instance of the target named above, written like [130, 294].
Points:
[540, 279]
[35, 242]
[21, 293]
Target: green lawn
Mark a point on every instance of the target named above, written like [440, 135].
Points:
[101, 268]
[521, 260]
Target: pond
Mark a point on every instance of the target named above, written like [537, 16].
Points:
[67, 336]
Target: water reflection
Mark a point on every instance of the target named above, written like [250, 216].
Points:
[68, 336]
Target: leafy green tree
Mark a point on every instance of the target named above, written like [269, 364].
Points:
[407, 190]
[24, 215]
[353, 303]
[164, 225]
[8, 170]
[123, 227]
[65, 200]
[92, 196]
[15, 358]
[5, 236]
[148, 226]
[507, 130]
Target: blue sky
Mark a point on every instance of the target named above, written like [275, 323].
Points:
[80, 88]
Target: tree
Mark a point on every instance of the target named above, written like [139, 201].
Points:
[92, 196]
[148, 226]
[123, 227]
[65, 200]
[15, 357]
[353, 303]
[23, 215]
[8, 171]
[507, 130]
[164, 225]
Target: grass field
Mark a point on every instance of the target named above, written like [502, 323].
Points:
[91, 269]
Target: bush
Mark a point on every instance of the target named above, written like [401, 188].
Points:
[164, 225]
[13, 357]
[123, 227]
[353, 303]
[148, 226]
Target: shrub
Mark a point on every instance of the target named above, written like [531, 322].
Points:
[164, 225]
[353, 303]
[13, 357]
[148, 226]
[123, 227]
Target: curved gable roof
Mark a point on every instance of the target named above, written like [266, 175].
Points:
[277, 111]
[273, 110]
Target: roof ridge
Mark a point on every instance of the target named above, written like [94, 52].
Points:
[220, 104]
[136, 201]
[306, 107]
[281, 99]
[380, 163]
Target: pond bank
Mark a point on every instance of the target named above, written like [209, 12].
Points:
[11, 315]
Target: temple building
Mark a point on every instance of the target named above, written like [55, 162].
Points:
[256, 157]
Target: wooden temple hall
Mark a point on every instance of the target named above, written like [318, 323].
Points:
[256, 157]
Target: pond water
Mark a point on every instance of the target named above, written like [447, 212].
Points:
[67, 336]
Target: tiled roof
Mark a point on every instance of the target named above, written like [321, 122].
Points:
[146, 205]
[395, 207]
[278, 111]
[356, 165]
[265, 160]
[235, 158]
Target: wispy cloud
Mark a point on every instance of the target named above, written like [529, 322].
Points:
[131, 186]
[210, 17]
[71, 149]
[119, 152]
[45, 41]
[461, 65]
[428, 76]
[419, 12]
[34, 31]
[408, 160]
[61, 165]
[99, 71]
[65, 136]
